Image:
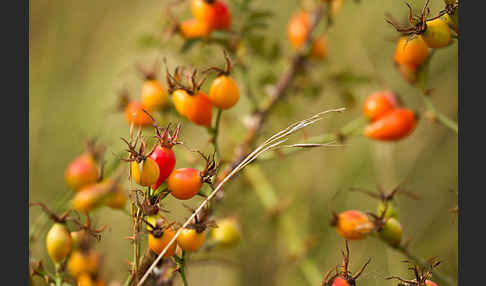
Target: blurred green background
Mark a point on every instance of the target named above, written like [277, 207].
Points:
[83, 52]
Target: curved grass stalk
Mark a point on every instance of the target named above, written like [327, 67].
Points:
[269, 144]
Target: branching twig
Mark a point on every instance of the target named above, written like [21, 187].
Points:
[279, 91]
[215, 131]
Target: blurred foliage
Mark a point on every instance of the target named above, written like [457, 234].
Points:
[83, 52]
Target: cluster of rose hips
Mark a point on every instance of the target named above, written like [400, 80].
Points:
[84, 262]
[73, 249]
[389, 121]
[84, 176]
[297, 31]
[186, 94]
[153, 98]
[209, 15]
[384, 224]
[193, 103]
[357, 225]
[412, 49]
[155, 170]
[300, 24]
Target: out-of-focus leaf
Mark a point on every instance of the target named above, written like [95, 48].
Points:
[267, 78]
[188, 44]
[274, 52]
[260, 15]
[217, 34]
[348, 98]
[349, 78]
[257, 44]
[148, 41]
[311, 91]
[422, 72]
[254, 26]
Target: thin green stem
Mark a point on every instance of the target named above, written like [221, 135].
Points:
[216, 132]
[128, 281]
[58, 278]
[249, 92]
[182, 269]
[438, 276]
[422, 86]
[442, 278]
[43, 273]
[444, 120]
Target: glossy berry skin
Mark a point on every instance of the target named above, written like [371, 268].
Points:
[379, 103]
[224, 92]
[430, 283]
[154, 96]
[437, 34]
[58, 242]
[197, 108]
[193, 28]
[81, 172]
[452, 21]
[221, 16]
[412, 54]
[190, 240]
[83, 262]
[353, 225]
[134, 114]
[180, 98]
[394, 125]
[146, 172]
[165, 159]
[216, 14]
[391, 232]
[340, 282]
[390, 211]
[157, 244]
[227, 234]
[184, 183]
[86, 280]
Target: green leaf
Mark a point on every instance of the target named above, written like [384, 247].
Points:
[267, 78]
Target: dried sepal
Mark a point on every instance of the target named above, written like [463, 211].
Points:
[342, 270]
